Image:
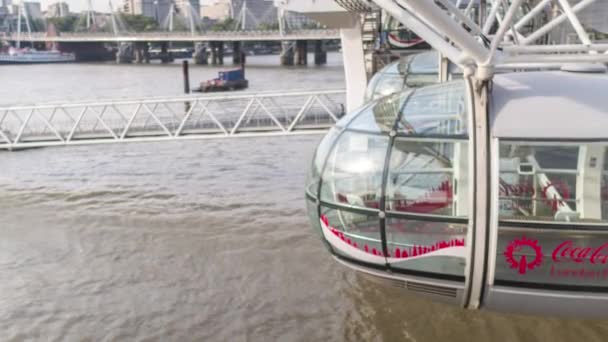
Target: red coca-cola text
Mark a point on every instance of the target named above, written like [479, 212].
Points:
[568, 252]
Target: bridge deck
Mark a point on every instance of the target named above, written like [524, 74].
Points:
[225, 36]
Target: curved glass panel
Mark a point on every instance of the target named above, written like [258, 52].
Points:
[371, 86]
[346, 119]
[424, 63]
[353, 235]
[321, 153]
[381, 115]
[436, 110]
[389, 84]
[353, 175]
[428, 177]
[385, 82]
[433, 247]
[313, 216]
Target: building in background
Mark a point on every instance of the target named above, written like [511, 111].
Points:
[5, 15]
[297, 21]
[157, 9]
[182, 6]
[57, 10]
[32, 9]
[218, 10]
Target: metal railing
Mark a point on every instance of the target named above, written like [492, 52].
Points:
[186, 117]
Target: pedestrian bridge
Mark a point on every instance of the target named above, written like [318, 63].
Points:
[175, 118]
[209, 36]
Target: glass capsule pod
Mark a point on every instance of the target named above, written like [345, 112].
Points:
[391, 193]
[413, 71]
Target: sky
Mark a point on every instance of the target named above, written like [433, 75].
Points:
[98, 5]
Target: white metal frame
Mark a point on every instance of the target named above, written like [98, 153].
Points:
[449, 30]
[187, 117]
[354, 64]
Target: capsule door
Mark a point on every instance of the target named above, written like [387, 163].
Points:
[549, 235]
[427, 192]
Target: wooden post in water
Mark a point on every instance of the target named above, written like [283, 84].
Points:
[186, 77]
[186, 72]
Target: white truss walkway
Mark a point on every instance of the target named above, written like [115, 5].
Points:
[187, 117]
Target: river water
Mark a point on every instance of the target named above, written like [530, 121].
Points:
[199, 240]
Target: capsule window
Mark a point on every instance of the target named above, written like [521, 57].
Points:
[353, 174]
[553, 222]
[428, 177]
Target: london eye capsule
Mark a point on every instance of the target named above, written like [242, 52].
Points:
[393, 192]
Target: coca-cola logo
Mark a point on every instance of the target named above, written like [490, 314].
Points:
[567, 259]
[524, 254]
[568, 252]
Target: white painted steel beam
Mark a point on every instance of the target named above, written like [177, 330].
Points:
[445, 27]
[355, 73]
[589, 181]
[504, 27]
[443, 23]
[423, 30]
[554, 23]
[534, 12]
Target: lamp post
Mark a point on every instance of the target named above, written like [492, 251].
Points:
[156, 11]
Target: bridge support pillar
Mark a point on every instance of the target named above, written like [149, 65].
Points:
[217, 53]
[125, 53]
[146, 52]
[301, 52]
[287, 53]
[139, 53]
[320, 53]
[165, 54]
[237, 49]
[201, 55]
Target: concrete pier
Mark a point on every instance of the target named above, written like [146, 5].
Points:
[165, 54]
[217, 53]
[287, 54]
[124, 54]
[201, 54]
[301, 52]
[320, 53]
[88, 51]
[146, 52]
[237, 50]
[142, 53]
